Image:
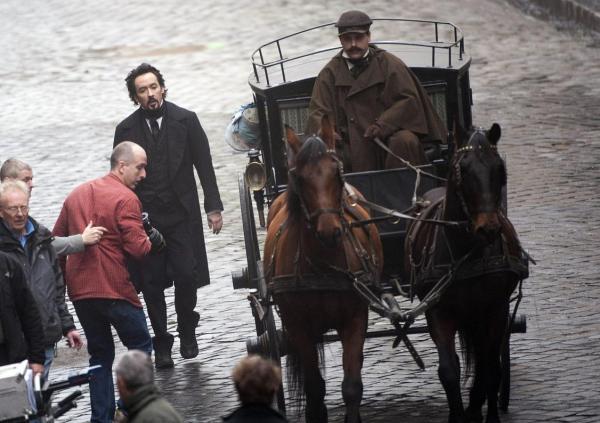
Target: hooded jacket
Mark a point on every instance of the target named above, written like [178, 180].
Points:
[146, 405]
[44, 278]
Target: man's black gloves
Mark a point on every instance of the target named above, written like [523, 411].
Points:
[155, 237]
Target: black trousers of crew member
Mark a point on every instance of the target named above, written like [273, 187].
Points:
[176, 263]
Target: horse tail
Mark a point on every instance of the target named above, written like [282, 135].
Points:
[295, 376]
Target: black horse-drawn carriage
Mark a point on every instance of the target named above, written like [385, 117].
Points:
[282, 80]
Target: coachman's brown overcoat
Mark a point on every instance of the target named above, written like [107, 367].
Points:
[386, 92]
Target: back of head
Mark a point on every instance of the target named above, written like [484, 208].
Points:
[11, 168]
[124, 151]
[135, 369]
[256, 380]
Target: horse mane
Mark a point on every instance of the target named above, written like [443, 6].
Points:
[313, 148]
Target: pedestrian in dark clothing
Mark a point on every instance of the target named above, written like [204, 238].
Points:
[176, 144]
[142, 401]
[21, 332]
[256, 382]
[29, 243]
[370, 93]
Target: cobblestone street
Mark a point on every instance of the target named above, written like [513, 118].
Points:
[62, 77]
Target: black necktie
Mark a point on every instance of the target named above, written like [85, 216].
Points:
[154, 128]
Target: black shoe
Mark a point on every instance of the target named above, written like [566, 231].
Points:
[188, 346]
[162, 351]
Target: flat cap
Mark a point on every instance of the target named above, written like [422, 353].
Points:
[353, 21]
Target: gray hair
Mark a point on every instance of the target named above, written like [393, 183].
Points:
[11, 168]
[13, 185]
[124, 151]
[135, 369]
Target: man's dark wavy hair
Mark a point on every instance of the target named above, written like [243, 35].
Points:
[140, 70]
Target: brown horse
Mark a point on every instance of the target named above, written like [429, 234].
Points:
[481, 259]
[313, 254]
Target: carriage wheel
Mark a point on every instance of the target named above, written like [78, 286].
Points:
[270, 328]
[505, 377]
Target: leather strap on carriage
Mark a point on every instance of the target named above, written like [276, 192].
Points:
[405, 162]
[400, 215]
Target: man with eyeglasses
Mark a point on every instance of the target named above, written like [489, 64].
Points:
[29, 243]
[370, 93]
[18, 170]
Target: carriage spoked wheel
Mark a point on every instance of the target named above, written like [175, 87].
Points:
[271, 346]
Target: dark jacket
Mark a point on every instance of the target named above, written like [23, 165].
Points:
[44, 278]
[19, 316]
[187, 148]
[387, 92]
[255, 413]
[146, 405]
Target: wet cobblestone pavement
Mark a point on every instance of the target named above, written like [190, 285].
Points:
[62, 79]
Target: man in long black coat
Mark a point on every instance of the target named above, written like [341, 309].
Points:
[175, 144]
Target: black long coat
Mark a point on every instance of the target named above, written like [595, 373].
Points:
[187, 148]
[19, 315]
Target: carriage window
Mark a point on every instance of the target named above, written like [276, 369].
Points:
[437, 94]
[294, 113]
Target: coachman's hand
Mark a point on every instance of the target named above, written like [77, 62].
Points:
[373, 131]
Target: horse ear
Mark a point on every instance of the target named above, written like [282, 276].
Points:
[458, 133]
[327, 132]
[494, 134]
[292, 139]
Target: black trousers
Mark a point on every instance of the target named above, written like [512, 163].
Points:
[174, 265]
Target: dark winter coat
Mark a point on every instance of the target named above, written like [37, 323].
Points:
[187, 148]
[146, 405]
[44, 278]
[19, 316]
[255, 413]
[386, 92]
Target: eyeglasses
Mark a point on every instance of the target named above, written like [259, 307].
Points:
[17, 209]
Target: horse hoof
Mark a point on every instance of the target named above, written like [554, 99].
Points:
[473, 415]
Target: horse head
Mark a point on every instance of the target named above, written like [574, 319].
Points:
[478, 175]
[315, 183]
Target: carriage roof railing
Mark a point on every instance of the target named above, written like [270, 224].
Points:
[266, 69]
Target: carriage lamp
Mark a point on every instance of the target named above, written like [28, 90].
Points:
[255, 174]
[256, 179]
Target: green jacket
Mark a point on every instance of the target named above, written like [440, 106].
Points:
[146, 405]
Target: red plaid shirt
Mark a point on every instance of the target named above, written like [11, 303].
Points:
[100, 271]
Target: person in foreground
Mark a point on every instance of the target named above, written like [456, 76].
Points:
[141, 398]
[21, 331]
[256, 381]
[370, 93]
[29, 243]
[97, 279]
[176, 144]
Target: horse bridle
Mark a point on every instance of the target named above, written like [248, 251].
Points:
[457, 172]
[311, 216]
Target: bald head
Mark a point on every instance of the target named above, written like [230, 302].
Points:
[128, 162]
